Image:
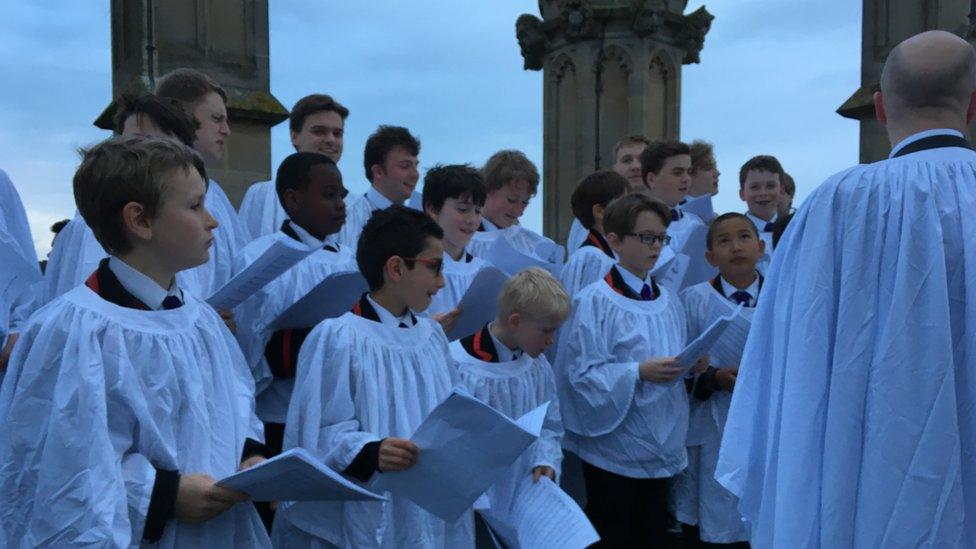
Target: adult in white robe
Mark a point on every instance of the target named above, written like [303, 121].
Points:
[254, 317]
[853, 422]
[76, 253]
[514, 388]
[359, 381]
[98, 397]
[261, 212]
[699, 499]
[15, 237]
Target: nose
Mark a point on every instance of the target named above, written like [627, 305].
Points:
[211, 221]
[440, 280]
[224, 128]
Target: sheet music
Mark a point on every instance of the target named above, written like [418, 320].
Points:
[479, 305]
[282, 255]
[332, 297]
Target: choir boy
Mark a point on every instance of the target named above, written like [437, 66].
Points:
[127, 396]
[317, 124]
[364, 383]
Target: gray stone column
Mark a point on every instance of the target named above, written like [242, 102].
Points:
[612, 68]
[884, 24]
[226, 39]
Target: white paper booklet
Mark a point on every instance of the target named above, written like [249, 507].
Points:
[479, 304]
[282, 255]
[465, 447]
[296, 476]
[332, 297]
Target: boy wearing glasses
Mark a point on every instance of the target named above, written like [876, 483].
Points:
[365, 381]
[709, 512]
[311, 193]
[624, 410]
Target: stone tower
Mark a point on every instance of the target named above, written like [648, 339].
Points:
[612, 68]
[884, 24]
[226, 39]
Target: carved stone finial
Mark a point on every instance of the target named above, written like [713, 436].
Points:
[532, 40]
[691, 35]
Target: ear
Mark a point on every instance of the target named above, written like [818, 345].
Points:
[291, 201]
[376, 170]
[710, 257]
[762, 246]
[514, 320]
[136, 221]
[614, 241]
[879, 110]
[429, 210]
[294, 136]
[394, 269]
[971, 109]
[649, 180]
[742, 193]
[597, 211]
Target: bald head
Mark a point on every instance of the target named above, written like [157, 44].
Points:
[930, 73]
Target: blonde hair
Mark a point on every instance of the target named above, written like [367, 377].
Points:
[535, 293]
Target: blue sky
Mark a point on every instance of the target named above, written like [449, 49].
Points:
[772, 74]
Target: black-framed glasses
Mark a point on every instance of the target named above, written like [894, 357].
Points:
[435, 264]
[651, 239]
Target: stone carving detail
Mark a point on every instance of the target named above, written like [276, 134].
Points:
[614, 54]
[691, 35]
[532, 40]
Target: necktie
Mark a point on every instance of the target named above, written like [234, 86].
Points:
[742, 298]
[769, 227]
[403, 325]
[331, 248]
[646, 294]
[675, 214]
[171, 302]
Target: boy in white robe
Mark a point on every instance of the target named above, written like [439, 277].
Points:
[852, 423]
[365, 382]
[704, 176]
[16, 305]
[454, 197]
[310, 189]
[503, 365]
[760, 187]
[317, 124]
[666, 168]
[593, 258]
[127, 397]
[626, 162]
[709, 513]
[624, 407]
[511, 180]
[390, 160]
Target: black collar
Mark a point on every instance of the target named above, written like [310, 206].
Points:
[717, 284]
[365, 309]
[940, 141]
[480, 345]
[616, 282]
[104, 283]
[596, 240]
[286, 228]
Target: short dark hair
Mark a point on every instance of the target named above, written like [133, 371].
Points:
[165, 112]
[384, 140]
[125, 169]
[453, 181]
[762, 162]
[621, 215]
[311, 104]
[597, 188]
[713, 226]
[702, 155]
[294, 169]
[788, 184]
[657, 153]
[394, 231]
[188, 86]
[633, 139]
[510, 165]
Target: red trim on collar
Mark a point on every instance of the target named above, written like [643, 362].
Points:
[482, 354]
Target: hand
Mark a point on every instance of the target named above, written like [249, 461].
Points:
[700, 366]
[725, 378]
[251, 462]
[543, 470]
[227, 315]
[447, 320]
[659, 370]
[7, 350]
[198, 499]
[397, 454]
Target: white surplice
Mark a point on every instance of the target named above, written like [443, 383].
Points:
[96, 398]
[853, 422]
[261, 212]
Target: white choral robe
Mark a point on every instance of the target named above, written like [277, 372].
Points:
[76, 253]
[360, 381]
[522, 239]
[698, 498]
[15, 236]
[614, 420]
[577, 235]
[261, 212]
[96, 396]
[515, 388]
[458, 276]
[256, 314]
[766, 237]
[359, 208]
[853, 422]
[585, 266]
